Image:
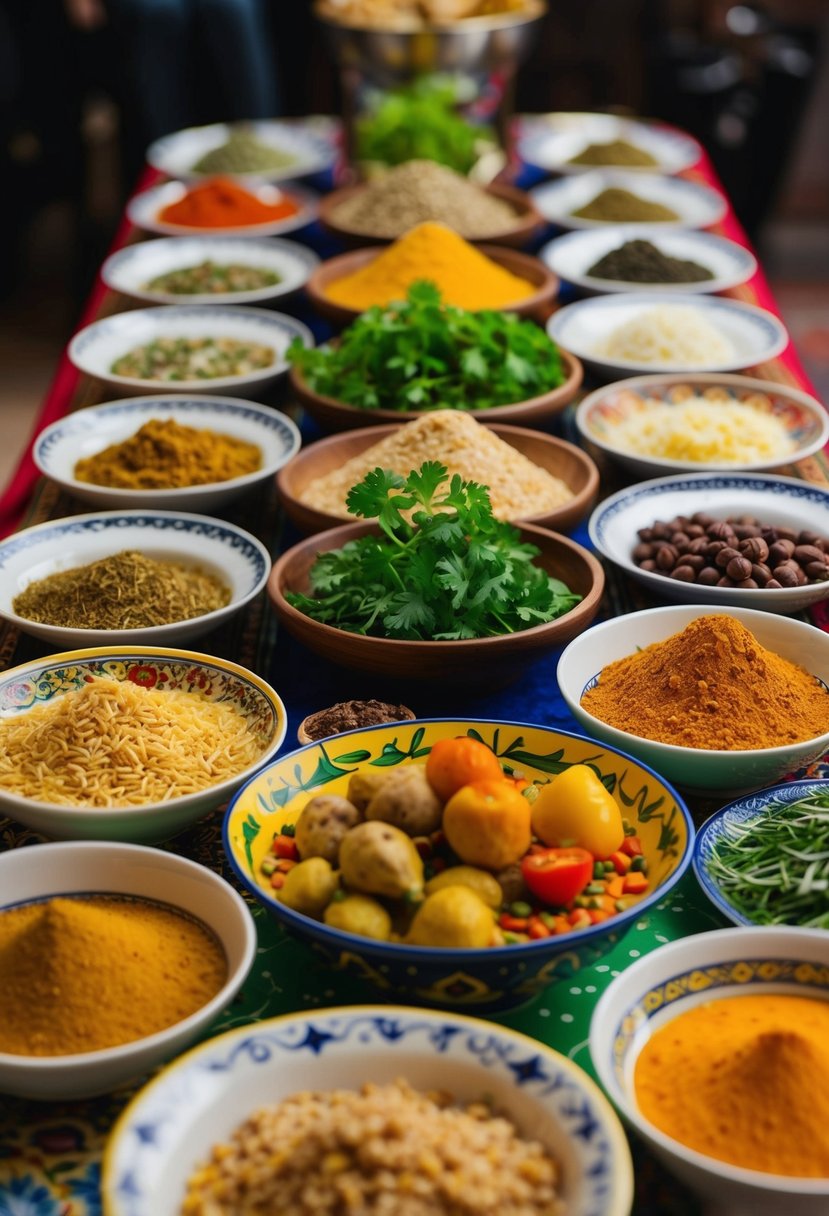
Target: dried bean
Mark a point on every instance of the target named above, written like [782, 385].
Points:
[786, 575]
[818, 571]
[808, 553]
[642, 552]
[684, 574]
[754, 548]
[725, 556]
[708, 577]
[666, 557]
[780, 551]
[739, 568]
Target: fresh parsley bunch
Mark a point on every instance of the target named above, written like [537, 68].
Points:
[453, 572]
[421, 121]
[423, 355]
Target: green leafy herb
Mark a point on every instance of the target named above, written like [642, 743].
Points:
[423, 355]
[421, 122]
[453, 572]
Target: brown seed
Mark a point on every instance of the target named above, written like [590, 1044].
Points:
[666, 556]
[693, 560]
[662, 531]
[680, 540]
[649, 564]
[684, 574]
[806, 537]
[642, 551]
[713, 548]
[773, 585]
[761, 574]
[720, 530]
[802, 577]
[747, 584]
[786, 533]
[738, 568]
[694, 531]
[725, 556]
[645, 534]
[780, 551]
[744, 531]
[699, 545]
[808, 553]
[786, 575]
[754, 548]
[817, 571]
[709, 577]
[725, 581]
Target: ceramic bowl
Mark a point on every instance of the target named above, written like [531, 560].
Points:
[526, 223]
[693, 768]
[694, 204]
[520, 264]
[491, 660]
[674, 979]
[94, 349]
[177, 153]
[143, 211]
[237, 559]
[201, 1098]
[470, 979]
[736, 813]
[785, 501]
[48, 870]
[563, 460]
[571, 257]
[333, 415]
[34, 684]
[131, 269]
[755, 335]
[601, 412]
[552, 140]
[60, 446]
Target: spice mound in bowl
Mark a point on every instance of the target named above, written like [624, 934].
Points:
[349, 715]
[164, 454]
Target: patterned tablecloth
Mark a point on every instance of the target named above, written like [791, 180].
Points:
[50, 1154]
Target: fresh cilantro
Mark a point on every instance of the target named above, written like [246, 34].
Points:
[424, 355]
[454, 571]
[421, 121]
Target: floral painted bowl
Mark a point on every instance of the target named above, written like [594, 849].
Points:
[205, 678]
[474, 980]
[176, 1119]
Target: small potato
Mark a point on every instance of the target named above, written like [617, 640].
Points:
[379, 859]
[453, 918]
[359, 914]
[322, 825]
[483, 884]
[364, 784]
[309, 887]
[408, 801]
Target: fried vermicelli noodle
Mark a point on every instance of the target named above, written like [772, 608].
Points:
[119, 744]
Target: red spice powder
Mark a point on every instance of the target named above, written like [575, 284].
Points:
[222, 203]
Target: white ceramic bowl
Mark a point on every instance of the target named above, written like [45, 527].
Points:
[143, 211]
[693, 768]
[601, 412]
[177, 153]
[552, 140]
[35, 683]
[130, 270]
[674, 979]
[95, 348]
[48, 870]
[755, 335]
[695, 205]
[60, 446]
[171, 1126]
[571, 256]
[237, 559]
[784, 501]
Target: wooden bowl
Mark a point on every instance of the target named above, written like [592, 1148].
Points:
[491, 661]
[521, 264]
[564, 460]
[333, 415]
[528, 219]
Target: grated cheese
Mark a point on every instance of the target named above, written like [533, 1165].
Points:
[704, 431]
[672, 335]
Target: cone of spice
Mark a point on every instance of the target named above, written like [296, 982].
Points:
[617, 206]
[640, 261]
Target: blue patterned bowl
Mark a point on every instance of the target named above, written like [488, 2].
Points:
[466, 979]
[171, 1126]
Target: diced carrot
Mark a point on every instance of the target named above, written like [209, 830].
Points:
[636, 883]
[513, 924]
[621, 862]
[598, 917]
[632, 845]
[561, 925]
[615, 887]
[536, 927]
[579, 918]
[277, 880]
[285, 864]
[285, 846]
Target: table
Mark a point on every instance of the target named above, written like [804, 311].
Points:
[50, 1154]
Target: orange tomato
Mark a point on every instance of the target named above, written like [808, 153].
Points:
[487, 823]
[453, 763]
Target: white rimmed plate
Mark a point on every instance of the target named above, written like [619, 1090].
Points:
[60, 446]
[602, 411]
[95, 348]
[754, 334]
[551, 140]
[784, 501]
[131, 269]
[572, 255]
[143, 211]
[177, 153]
[237, 559]
[695, 205]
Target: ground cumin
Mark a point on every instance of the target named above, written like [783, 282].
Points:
[711, 686]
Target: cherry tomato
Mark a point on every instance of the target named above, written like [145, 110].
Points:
[557, 876]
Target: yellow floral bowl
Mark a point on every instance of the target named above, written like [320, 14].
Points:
[204, 678]
[469, 979]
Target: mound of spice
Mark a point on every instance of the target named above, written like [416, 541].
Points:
[617, 206]
[418, 192]
[615, 152]
[164, 455]
[128, 590]
[222, 203]
[349, 715]
[464, 276]
[243, 152]
[712, 686]
[80, 975]
[641, 262]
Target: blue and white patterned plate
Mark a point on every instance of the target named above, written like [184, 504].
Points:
[171, 1126]
[236, 558]
[60, 446]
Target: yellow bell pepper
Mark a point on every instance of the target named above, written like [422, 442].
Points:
[576, 809]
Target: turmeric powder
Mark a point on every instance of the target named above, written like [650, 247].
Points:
[755, 1082]
[464, 276]
[79, 975]
[164, 455]
[711, 686]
